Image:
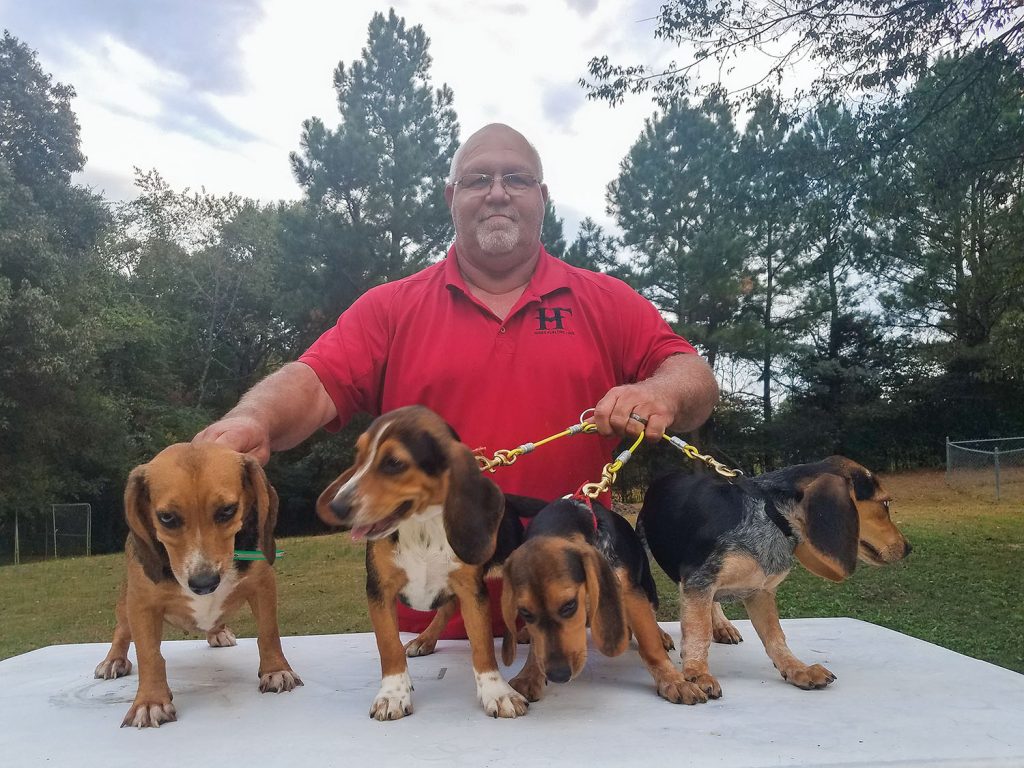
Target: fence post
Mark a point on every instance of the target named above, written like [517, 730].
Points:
[947, 459]
[17, 547]
[995, 454]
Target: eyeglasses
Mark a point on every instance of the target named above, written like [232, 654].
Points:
[513, 183]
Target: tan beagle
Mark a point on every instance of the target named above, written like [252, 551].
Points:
[188, 510]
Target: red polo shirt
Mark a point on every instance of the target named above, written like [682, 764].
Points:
[572, 336]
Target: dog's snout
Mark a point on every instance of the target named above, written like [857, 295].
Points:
[204, 583]
[341, 507]
[559, 673]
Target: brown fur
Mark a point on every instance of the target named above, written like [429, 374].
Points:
[542, 586]
[409, 463]
[196, 485]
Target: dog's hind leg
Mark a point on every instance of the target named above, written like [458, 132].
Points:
[221, 637]
[116, 664]
[764, 615]
[722, 629]
[696, 608]
[426, 641]
[669, 681]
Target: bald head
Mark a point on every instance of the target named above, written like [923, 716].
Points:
[495, 135]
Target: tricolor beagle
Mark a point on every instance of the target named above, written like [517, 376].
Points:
[720, 539]
[580, 565]
[432, 522]
[188, 510]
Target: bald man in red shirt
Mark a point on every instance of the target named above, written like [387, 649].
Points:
[504, 341]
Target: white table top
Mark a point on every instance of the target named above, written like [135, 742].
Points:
[897, 701]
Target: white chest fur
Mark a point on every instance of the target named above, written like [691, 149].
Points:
[207, 610]
[425, 556]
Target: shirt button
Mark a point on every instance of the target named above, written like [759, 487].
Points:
[502, 329]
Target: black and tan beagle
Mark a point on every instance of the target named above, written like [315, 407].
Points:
[726, 540]
[578, 565]
[434, 525]
[188, 510]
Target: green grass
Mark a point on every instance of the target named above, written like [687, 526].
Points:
[962, 588]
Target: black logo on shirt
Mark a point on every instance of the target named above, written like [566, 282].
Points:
[552, 319]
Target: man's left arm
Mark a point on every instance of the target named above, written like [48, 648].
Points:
[679, 395]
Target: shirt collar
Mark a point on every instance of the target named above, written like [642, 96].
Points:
[551, 274]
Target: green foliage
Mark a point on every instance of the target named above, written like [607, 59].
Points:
[858, 46]
[551, 232]
[375, 184]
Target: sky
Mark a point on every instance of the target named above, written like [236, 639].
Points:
[212, 93]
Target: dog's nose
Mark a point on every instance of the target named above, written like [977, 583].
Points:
[341, 507]
[559, 674]
[204, 583]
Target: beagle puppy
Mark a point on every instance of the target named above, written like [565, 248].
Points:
[432, 521]
[188, 510]
[723, 539]
[583, 564]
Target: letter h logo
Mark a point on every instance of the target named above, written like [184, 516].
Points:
[551, 316]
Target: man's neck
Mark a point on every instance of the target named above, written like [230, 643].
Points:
[499, 290]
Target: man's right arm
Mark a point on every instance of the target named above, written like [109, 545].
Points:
[278, 413]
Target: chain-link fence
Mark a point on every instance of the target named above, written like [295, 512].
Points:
[992, 469]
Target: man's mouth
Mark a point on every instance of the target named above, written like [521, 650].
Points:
[383, 527]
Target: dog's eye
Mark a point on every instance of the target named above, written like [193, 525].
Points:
[392, 465]
[168, 519]
[526, 616]
[225, 513]
[568, 609]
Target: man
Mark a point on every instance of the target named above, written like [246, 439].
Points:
[504, 341]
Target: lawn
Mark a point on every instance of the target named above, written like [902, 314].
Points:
[962, 588]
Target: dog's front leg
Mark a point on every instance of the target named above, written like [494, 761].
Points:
[116, 663]
[695, 608]
[669, 681]
[394, 699]
[498, 697]
[276, 674]
[764, 615]
[152, 705]
[530, 681]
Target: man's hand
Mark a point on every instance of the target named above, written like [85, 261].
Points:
[680, 395]
[244, 434]
[628, 410]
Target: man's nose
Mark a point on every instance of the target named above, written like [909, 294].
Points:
[497, 190]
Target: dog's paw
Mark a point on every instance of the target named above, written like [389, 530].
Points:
[394, 699]
[530, 686]
[108, 669]
[706, 683]
[677, 689]
[150, 714]
[808, 678]
[222, 637]
[666, 640]
[726, 633]
[498, 697]
[279, 682]
[420, 646]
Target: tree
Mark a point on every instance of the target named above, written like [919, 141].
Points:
[859, 46]
[551, 232]
[677, 203]
[375, 184]
[594, 250]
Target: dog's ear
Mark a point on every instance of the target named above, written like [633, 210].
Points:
[509, 614]
[264, 497]
[472, 509]
[830, 528]
[605, 606]
[139, 515]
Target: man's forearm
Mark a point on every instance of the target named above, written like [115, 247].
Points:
[291, 403]
[687, 381]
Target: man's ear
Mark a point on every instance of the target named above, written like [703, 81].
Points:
[472, 509]
[138, 514]
[830, 528]
[605, 606]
